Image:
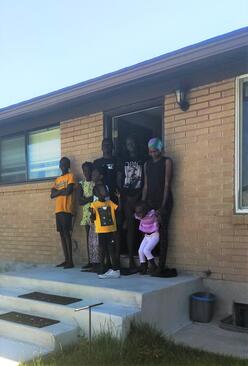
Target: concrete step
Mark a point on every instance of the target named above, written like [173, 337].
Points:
[164, 302]
[73, 283]
[51, 337]
[106, 316]
[12, 352]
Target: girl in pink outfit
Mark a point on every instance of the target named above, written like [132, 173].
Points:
[150, 227]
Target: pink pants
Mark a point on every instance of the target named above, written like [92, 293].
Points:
[147, 245]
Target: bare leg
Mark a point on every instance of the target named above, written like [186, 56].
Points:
[88, 265]
[64, 247]
[69, 262]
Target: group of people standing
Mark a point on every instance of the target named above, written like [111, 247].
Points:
[115, 194]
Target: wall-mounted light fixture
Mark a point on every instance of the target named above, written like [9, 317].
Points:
[181, 98]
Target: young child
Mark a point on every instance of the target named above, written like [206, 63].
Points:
[62, 191]
[104, 217]
[150, 227]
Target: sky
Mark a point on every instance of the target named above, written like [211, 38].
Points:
[46, 45]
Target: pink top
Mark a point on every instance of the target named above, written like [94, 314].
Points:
[149, 223]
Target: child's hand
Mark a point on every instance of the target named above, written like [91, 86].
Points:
[92, 215]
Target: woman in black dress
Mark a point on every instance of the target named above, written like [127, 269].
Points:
[157, 192]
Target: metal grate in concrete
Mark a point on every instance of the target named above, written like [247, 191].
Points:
[27, 319]
[55, 299]
[229, 324]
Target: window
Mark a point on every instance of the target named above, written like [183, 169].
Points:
[43, 154]
[13, 166]
[242, 145]
[30, 156]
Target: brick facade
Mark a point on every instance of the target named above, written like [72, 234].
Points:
[205, 234]
[27, 225]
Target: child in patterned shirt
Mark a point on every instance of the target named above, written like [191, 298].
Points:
[85, 199]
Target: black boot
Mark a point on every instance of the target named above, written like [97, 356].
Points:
[143, 268]
[152, 266]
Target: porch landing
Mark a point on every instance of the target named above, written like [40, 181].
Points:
[159, 301]
[210, 337]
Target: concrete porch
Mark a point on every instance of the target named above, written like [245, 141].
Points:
[159, 301]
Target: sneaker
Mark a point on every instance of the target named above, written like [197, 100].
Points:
[103, 275]
[110, 274]
[61, 264]
[114, 274]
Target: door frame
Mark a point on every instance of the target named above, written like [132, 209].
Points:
[110, 115]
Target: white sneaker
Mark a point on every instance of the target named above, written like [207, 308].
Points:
[110, 274]
[114, 274]
[104, 274]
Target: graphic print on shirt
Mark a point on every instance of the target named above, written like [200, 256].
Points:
[133, 175]
[105, 216]
[110, 166]
[61, 185]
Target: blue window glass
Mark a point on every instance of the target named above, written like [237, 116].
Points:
[12, 159]
[43, 153]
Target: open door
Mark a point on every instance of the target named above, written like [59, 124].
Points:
[143, 125]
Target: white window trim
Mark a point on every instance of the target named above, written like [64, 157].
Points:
[238, 138]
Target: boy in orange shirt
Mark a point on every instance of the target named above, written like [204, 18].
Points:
[62, 191]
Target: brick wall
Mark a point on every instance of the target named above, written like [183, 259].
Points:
[205, 233]
[81, 141]
[27, 225]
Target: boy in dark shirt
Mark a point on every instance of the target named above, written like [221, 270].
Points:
[109, 163]
[130, 179]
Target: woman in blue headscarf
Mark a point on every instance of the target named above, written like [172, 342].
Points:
[157, 192]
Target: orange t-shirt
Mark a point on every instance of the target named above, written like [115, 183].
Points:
[64, 203]
[105, 221]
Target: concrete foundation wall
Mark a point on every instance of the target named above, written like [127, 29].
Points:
[227, 292]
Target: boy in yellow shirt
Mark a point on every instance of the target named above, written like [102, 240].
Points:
[62, 191]
[103, 213]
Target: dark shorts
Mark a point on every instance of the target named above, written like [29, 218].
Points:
[64, 221]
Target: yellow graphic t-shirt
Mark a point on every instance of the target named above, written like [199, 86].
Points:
[105, 221]
[64, 203]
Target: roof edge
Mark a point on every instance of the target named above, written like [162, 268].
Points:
[213, 46]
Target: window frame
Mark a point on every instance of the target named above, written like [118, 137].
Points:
[240, 80]
[26, 138]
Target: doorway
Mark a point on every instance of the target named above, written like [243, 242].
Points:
[143, 125]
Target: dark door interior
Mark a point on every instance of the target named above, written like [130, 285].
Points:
[143, 125]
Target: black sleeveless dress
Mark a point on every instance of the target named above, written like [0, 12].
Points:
[155, 172]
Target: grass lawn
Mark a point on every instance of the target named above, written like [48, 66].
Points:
[142, 346]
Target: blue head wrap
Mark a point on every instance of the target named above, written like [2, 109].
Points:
[155, 143]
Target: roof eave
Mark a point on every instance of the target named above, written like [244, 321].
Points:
[170, 61]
